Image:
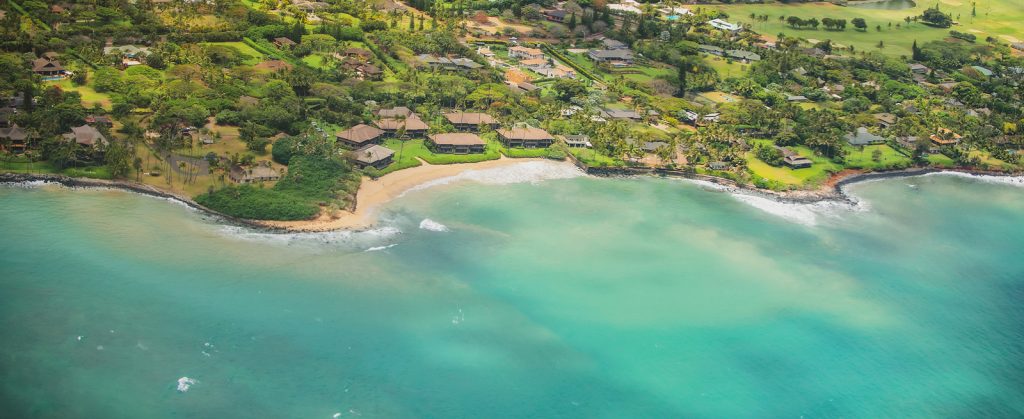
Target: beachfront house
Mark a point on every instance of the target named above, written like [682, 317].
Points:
[945, 137]
[456, 143]
[576, 141]
[793, 160]
[862, 137]
[526, 137]
[470, 121]
[396, 112]
[258, 173]
[86, 135]
[372, 155]
[13, 139]
[358, 136]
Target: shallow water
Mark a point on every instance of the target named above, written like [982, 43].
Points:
[572, 297]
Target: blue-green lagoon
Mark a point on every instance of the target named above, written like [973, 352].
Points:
[576, 298]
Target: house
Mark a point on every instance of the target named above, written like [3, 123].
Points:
[86, 135]
[615, 57]
[945, 137]
[374, 156]
[445, 63]
[412, 125]
[16, 137]
[576, 141]
[613, 44]
[527, 87]
[456, 143]
[793, 160]
[396, 112]
[359, 53]
[534, 63]
[283, 42]
[557, 72]
[711, 49]
[725, 26]
[525, 53]
[556, 15]
[719, 165]
[358, 136]
[908, 142]
[745, 56]
[919, 68]
[653, 146]
[693, 118]
[527, 137]
[258, 173]
[470, 121]
[369, 72]
[982, 70]
[796, 98]
[885, 120]
[485, 52]
[862, 137]
[99, 120]
[129, 51]
[627, 114]
[47, 67]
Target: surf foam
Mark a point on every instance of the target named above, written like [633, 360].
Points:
[431, 225]
[185, 383]
[808, 214]
[1001, 180]
[524, 172]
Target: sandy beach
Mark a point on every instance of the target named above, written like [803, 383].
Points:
[373, 193]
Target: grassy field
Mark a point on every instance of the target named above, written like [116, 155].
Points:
[998, 18]
[987, 158]
[818, 172]
[316, 61]
[940, 160]
[861, 157]
[595, 159]
[90, 97]
[724, 68]
[255, 56]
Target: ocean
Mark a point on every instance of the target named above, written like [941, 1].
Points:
[506, 295]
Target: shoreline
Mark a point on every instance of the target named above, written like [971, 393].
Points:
[374, 193]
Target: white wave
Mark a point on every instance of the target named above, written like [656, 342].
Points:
[31, 184]
[808, 214]
[1002, 180]
[379, 248]
[523, 172]
[431, 225]
[185, 383]
[707, 184]
[341, 238]
[336, 415]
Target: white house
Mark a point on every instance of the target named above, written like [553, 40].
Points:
[725, 26]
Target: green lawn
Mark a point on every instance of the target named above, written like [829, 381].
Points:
[998, 18]
[725, 68]
[409, 153]
[90, 97]
[822, 168]
[861, 157]
[316, 61]
[940, 160]
[594, 159]
[41, 167]
[255, 56]
[986, 158]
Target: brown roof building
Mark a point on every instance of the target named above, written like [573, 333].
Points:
[253, 174]
[358, 136]
[16, 136]
[528, 137]
[283, 42]
[86, 135]
[413, 125]
[398, 111]
[46, 67]
[457, 143]
[470, 121]
[374, 156]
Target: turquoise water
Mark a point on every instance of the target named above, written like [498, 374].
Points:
[582, 297]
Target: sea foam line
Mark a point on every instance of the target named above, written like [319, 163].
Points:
[1017, 181]
[524, 172]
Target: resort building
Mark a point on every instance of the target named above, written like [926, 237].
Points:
[525, 53]
[374, 156]
[527, 137]
[412, 125]
[47, 67]
[258, 173]
[396, 112]
[86, 135]
[457, 143]
[793, 160]
[359, 136]
[470, 121]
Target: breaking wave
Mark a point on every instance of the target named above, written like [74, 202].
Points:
[345, 239]
[808, 214]
[379, 248]
[431, 225]
[524, 172]
[999, 180]
[185, 383]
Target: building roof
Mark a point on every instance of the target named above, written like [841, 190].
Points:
[620, 114]
[863, 137]
[394, 112]
[721, 24]
[284, 41]
[743, 55]
[240, 173]
[86, 135]
[474, 118]
[372, 153]
[360, 134]
[713, 49]
[612, 54]
[612, 44]
[527, 133]
[796, 98]
[358, 51]
[888, 118]
[525, 50]
[577, 139]
[457, 138]
[984, 71]
[43, 64]
[534, 62]
[411, 123]
[14, 133]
